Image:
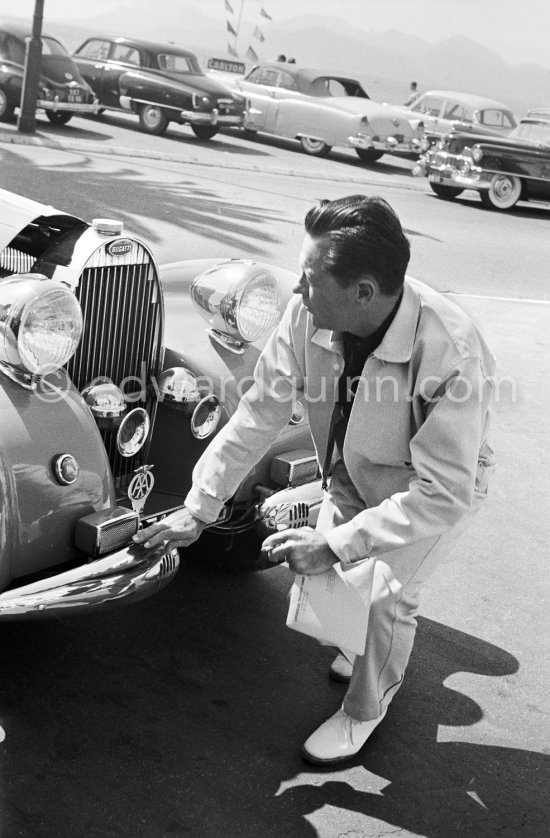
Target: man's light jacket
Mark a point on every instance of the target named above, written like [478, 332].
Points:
[416, 445]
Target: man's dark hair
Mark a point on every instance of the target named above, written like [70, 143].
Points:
[364, 236]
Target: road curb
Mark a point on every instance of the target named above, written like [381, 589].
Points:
[171, 157]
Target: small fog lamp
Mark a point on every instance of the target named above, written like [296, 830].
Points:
[133, 432]
[206, 417]
[105, 399]
[178, 387]
[477, 153]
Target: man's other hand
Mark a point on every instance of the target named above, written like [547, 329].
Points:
[306, 550]
[180, 529]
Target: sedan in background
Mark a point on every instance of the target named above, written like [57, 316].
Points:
[322, 110]
[161, 83]
[503, 170]
[62, 92]
[443, 111]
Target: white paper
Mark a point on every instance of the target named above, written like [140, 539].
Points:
[333, 606]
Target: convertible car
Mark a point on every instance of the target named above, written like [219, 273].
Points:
[503, 170]
[62, 90]
[323, 110]
[161, 83]
[114, 374]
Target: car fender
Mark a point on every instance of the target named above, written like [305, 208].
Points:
[37, 512]
[11, 80]
[315, 119]
[146, 87]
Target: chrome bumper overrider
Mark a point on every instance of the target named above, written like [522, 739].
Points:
[129, 574]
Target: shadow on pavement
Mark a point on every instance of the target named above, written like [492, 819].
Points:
[386, 164]
[184, 715]
[521, 210]
[181, 133]
[184, 202]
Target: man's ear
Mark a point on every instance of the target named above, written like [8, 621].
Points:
[366, 289]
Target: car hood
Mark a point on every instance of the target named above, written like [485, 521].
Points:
[16, 212]
[61, 69]
[483, 140]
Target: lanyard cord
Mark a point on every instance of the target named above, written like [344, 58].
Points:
[335, 418]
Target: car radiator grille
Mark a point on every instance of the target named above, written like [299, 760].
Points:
[14, 261]
[121, 302]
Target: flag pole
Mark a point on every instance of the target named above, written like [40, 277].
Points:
[239, 23]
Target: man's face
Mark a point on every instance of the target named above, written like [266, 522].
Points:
[329, 303]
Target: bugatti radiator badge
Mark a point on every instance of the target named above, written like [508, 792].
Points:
[141, 487]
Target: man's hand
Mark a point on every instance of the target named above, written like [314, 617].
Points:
[180, 529]
[306, 550]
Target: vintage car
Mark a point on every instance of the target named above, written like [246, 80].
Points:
[62, 90]
[161, 83]
[114, 375]
[442, 111]
[323, 110]
[503, 170]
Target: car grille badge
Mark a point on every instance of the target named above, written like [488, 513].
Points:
[395, 122]
[141, 487]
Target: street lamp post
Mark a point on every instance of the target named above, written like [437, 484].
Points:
[27, 122]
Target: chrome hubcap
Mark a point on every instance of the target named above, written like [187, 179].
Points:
[503, 188]
[152, 116]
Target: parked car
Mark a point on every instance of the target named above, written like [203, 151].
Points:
[161, 83]
[442, 111]
[323, 110]
[111, 385]
[503, 170]
[62, 90]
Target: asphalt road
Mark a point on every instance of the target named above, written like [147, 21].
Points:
[183, 715]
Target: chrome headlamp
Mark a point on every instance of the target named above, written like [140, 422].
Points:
[40, 324]
[239, 300]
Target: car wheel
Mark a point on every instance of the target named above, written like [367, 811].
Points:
[205, 132]
[317, 148]
[445, 192]
[153, 120]
[6, 109]
[503, 193]
[368, 155]
[59, 117]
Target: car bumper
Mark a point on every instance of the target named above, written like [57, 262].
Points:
[124, 576]
[74, 107]
[388, 144]
[472, 180]
[211, 118]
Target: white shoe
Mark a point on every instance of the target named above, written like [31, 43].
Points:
[338, 739]
[341, 668]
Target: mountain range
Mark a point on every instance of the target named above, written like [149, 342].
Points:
[385, 62]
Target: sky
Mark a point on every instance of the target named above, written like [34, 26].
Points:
[517, 30]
